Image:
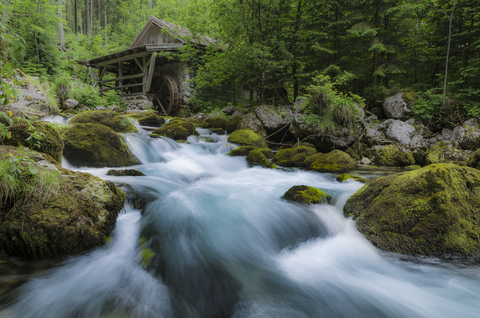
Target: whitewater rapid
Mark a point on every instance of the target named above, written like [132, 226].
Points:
[227, 245]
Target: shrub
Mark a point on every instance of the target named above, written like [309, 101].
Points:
[111, 98]
[86, 95]
[328, 109]
[61, 87]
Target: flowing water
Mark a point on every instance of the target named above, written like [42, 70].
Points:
[227, 245]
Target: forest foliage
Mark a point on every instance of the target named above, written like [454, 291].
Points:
[369, 48]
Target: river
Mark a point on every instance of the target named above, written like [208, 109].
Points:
[227, 245]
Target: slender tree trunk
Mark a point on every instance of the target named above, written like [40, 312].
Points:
[448, 53]
[61, 38]
[91, 16]
[76, 18]
[87, 17]
[99, 22]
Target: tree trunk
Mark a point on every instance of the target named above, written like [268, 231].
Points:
[76, 18]
[61, 38]
[86, 29]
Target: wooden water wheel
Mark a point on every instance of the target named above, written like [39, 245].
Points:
[167, 96]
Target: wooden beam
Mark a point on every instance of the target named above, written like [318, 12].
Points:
[123, 78]
[124, 86]
[151, 69]
[121, 59]
[164, 47]
[139, 65]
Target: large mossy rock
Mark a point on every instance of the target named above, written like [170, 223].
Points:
[147, 119]
[432, 211]
[107, 118]
[474, 160]
[256, 158]
[241, 151]
[94, 145]
[78, 214]
[307, 195]
[393, 156]
[176, 129]
[293, 157]
[247, 137]
[334, 161]
[250, 121]
[444, 152]
[345, 177]
[49, 141]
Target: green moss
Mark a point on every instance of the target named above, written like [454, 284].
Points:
[147, 255]
[51, 143]
[443, 152]
[256, 158]
[431, 211]
[345, 177]
[311, 159]
[307, 195]
[474, 160]
[147, 119]
[95, 145]
[247, 137]
[393, 156]
[333, 161]
[78, 216]
[125, 172]
[106, 118]
[68, 112]
[414, 167]
[208, 139]
[176, 129]
[267, 152]
[241, 151]
[293, 157]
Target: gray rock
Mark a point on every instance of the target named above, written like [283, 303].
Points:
[238, 112]
[138, 102]
[84, 108]
[365, 161]
[400, 131]
[250, 121]
[270, 119]
[472, 122]
[385, 124]
[114, 108]
[228, 110]
[100, 108]
[370, 119]
[466, 137]
[33, 99]
[395, 107]
[417, 141]
[70, 104]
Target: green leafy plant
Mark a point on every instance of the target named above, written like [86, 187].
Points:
[62, 87]
[22, 183]
[111, 98]
[327, 108]
[86, 95]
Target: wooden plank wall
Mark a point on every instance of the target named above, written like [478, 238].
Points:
[155, 36]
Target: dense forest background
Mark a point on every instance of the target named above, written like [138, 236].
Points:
[369, 48]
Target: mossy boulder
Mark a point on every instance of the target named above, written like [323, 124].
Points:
[241, 151]
[333, 161]
[247, 137]
[256, 158]
[293, 157]
[125, 173]
[49, 141]
[345, 177]
[357, 151]
[147, 119]
[267, 152]
[311, 159]
[176, 129]
[433, 211]
[78, 215]
[67, 113]
[307, 195]
[393, 156]
[444, 152]
[474, 160]
[94, 145]
[104, 117]
[229, 124]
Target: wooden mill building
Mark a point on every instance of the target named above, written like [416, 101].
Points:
[138, 71]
